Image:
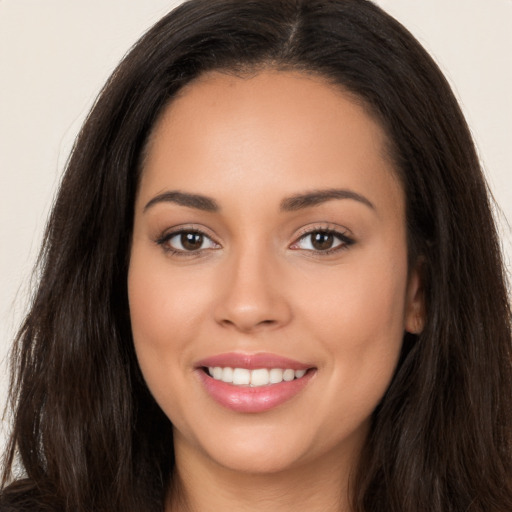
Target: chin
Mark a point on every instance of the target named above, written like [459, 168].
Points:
[259, 448]
[270, 448]
[258, 461]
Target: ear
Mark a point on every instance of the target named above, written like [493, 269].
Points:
[415, 310]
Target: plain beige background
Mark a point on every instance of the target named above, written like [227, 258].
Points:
[56, 54]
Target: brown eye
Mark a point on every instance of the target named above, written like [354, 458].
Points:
[187, 242]
[191, 241]
[322, 241]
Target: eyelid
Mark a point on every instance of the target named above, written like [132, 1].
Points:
[342, 233]
[169, 233]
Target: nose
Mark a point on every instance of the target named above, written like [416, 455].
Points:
[253, 294]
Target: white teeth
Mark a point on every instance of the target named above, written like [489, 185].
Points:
[241, 376]
[259, 377]
[227, 374]
[255, 378]
[276, 375]
[288, 375]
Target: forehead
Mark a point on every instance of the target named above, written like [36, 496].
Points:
[270, 132]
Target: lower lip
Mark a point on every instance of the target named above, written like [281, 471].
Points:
[253, 399]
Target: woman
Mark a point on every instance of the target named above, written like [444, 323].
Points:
[271, 279]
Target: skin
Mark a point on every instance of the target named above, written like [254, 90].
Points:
[259, 285]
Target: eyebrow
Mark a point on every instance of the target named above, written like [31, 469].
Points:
[290, 204]
[316, 197]
[196, 201]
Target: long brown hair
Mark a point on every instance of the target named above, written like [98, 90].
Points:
[86, 431]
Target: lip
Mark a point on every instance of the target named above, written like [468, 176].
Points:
[252, 361]
[245, 399]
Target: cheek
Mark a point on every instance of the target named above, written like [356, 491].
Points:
[163, 301]
[360, 302]
[170, 310]
[160, 307]
[357, 316]
[158, 311]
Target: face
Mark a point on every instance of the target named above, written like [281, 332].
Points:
[268, 282]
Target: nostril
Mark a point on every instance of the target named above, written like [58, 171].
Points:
[247, 324]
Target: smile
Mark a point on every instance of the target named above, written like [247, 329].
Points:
[253, 383]
[254, 378]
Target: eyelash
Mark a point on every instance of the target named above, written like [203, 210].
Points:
[344, 241]
[164, 240]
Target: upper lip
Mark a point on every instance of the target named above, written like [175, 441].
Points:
[252, 361]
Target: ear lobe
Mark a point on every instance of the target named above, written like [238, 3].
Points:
[415, 310]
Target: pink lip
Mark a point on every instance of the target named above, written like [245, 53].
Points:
[252, 361]
[247, 399]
